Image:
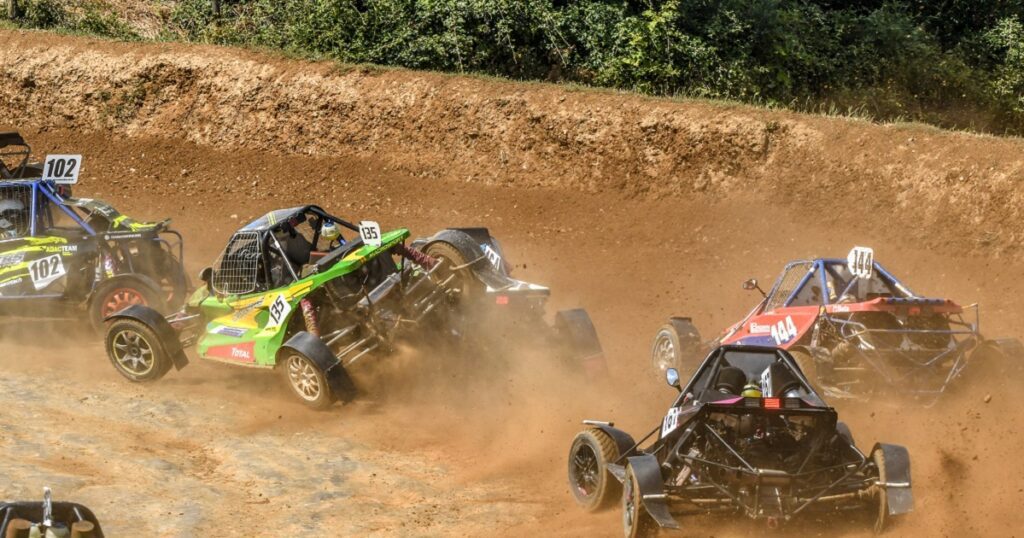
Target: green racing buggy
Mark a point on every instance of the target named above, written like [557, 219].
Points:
[310, 295]
[60, 255]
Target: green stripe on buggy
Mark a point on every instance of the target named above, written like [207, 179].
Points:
[238, 331]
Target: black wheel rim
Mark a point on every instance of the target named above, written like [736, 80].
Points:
[585, 468]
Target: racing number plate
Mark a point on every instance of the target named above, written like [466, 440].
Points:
[671, 421]
[62, 169]
[861, 261]
[492, 256]
[369, 232]
[279, 311]
[46, 270]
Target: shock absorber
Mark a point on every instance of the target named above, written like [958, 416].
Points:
[309, 315]
[416, 256]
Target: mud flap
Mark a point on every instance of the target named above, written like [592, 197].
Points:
[156, 321]
[314, 348]
[577, 332]
[652, 489]
[623, 441]
[897, 475]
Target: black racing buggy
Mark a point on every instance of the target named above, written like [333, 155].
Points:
[60, 254]
[746, 435]
[29, 519]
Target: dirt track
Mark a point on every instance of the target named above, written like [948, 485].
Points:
[443, 450]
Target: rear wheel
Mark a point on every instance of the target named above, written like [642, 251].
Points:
[450, 258]
[136, 351]
[882, 515]
[116, 294]
[593, 487]
[307, 380]
[636, 522]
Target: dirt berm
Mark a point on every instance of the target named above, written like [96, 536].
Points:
[527, 135]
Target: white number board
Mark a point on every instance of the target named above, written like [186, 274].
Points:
[279, 311]
[492, 256]
[62, 169]
[861, 262]
[671, 421]
[46, 270]
[369, 232]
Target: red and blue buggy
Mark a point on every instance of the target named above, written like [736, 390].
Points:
[854, 328]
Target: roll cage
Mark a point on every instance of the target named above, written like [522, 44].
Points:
[753, 360]
[268, 251]
[832, 281]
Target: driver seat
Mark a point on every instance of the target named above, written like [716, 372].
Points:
[730, 380]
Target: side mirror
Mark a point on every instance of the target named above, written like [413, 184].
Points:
[206, 276]
[672, 378]
[751, 284]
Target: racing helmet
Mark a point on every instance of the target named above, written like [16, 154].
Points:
[329, 231]
[752, 390]
[14, 218]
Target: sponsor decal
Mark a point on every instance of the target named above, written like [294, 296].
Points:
[244, 352]
[118, 237]
[840, 308]
[12, 259]
[235, 332]
[10, 283]
[757, 328]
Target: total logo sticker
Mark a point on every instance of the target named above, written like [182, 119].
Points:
[238, 352]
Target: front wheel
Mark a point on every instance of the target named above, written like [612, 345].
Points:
[882, 514]
[307, 381]
[593, 487]
[136, 351]
[636, 522]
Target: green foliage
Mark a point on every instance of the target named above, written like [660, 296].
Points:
[91, 17]
[43, 13]
[1007, 41]
[96, 21]
[911, 59]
